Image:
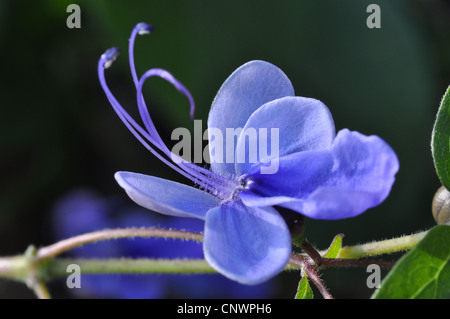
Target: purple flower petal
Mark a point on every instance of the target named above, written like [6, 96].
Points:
[290, 125]
[356, 174]
[248, 245]
[166, 197]
[246, 89]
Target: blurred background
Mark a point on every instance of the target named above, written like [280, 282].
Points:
[58, 132]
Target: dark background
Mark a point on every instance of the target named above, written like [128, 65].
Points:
[58, 132]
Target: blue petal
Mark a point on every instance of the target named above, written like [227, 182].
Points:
[300, 124]
[356, 174]
[166, 197]
[299, 175]
[248, 245]
[246, 89]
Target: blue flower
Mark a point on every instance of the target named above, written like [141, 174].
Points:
[82, 211]
[319, 174]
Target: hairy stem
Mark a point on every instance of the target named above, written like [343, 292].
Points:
[305, 264]
[328, 263]
[381, 247]
[312, 274]
[312, 252]
[108, 234]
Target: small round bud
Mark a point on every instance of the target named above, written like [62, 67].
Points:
[441, 206]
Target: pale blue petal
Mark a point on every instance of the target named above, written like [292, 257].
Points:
[282, 127]
[356, 174]
[248, 245]
[246, 89]
[166, 197]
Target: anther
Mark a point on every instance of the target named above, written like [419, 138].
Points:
[144, 28]
[109, 56]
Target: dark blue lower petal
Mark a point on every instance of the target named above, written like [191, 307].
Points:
[355, 174]
[248, 245]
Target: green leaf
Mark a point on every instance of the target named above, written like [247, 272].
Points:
[304, 290]
[440, 141]
[335, 247]
[424, 272]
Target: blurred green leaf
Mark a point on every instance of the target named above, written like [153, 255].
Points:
[424, 272]
[304, 290]
[440, 141]
[335, 247]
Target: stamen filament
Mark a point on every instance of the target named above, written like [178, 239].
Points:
[215, 184]
[189, 167]
[218, 183]
[142, 28]
[105, 61]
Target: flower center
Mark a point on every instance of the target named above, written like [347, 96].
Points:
[230, 190]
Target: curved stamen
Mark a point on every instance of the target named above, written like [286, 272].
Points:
[197, 173]
[145, 28]
[217, 185]
[105, 61]
[142, 28]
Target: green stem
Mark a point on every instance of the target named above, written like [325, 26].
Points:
[58, 267]
[13, 267]
[381, 247]
[28, 269]
[41, 291]
[36, 266]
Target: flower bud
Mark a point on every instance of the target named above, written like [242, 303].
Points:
[295, 223]
[441, 206]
